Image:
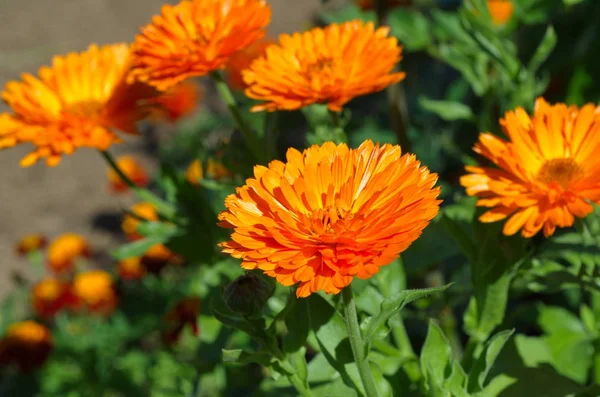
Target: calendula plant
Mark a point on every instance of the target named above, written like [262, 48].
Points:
[398, 203]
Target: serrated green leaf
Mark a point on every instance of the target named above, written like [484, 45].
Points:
[435, 357]
[483, 365]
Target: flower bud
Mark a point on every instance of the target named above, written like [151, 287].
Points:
[247, 295]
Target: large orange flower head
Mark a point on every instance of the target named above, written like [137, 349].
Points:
[330, 65]
[194, 38]
[548, 169]
[76, 102]
[329, 214]
[26, 345]
[64, 250]
[95, 291]
[132, 169]
[500, 10]
[49, 296]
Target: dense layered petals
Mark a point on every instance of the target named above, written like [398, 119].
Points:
[329, 214]
[242, 61]
[194, 38]
[79, 101]
[330, 65]
[548, 169]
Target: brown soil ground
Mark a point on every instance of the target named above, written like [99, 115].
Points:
[73, 197]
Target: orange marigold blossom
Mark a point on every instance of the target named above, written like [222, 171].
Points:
[131, 269]
[370, 4]
[26, 345]
[64, 250]
[548, 169]
[330, 65]
[95, 291]
[242, 60]
[49, 296]
[158, 257]
[216, 170]
[132, 169]
[176, 102]
[194, 38]
[131, 221]
[30, 243]
[329, 214]
[500, 10]
[194, 173]
[184, 313]
[76, 102]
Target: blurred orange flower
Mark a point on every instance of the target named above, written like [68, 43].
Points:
[216, 170]
[95, 291]
[242, 60]
[194, 173]
[370, 4]
[330, 65]
[49, 296]
[77, 102]
[500, 10]
[63, 251]
[132, 169]
[176, 102]
[158, 257]
[131, 269]
[548, 169]
[140, 211]
[26, 345]
[194, 38]
[329, 214]
[184, 313]
[30, 243]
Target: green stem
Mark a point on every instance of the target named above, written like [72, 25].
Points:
[358, 348]
[339, 135]
[247, 134]
[165, 209]
[294, 379]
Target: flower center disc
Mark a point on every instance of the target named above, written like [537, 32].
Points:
[561, 171]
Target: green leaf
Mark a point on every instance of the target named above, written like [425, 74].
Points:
[157, 229]
[462, 238]
[544, 50]
[447, 110]
[411, 27]
[392, 305]
[240, 356]
[435, 357]
[483, 365]
[455, 383]
[137, 248]
[296, 321]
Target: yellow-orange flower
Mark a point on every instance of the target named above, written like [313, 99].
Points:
[26, 345]
[329, 214]
[63, 251]
[184, 313]
[216, 170]
[330, 65]
[94, 290]
[30, 243]
[132, 169]
[49, 296]
[370, 4]
[548, 169]
[77, 102]
[158, 257]
[194, 38]
[131, 269]
[500, 10]
[194, 173]
[146, 211]
[242, 60]
[176, 102]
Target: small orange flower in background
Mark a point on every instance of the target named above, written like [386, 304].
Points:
[194, 38]
[132, 169]
[216, 170]
[242, 60]
[131, 269]
[329, 214]
[94, 290]
[49, 296]
[31, 243]
[64, 250]
[548, 171]
[183, 314]
[158, 257]
[370, 4]
[140, 211]
[176, 102]
[500, 10]
[26, 345]
[194, 173]
[330, 65]
[77, 102]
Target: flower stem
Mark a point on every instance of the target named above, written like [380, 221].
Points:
[166, 209]
[358, 348]
[247, 134]
[339, 135]
[301, 386]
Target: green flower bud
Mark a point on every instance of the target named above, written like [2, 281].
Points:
[247, 295]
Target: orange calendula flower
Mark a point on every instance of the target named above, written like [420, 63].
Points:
[49, 296]
[158, 257]
[184, 313]
[500, 10]
[194, 173]
[242, 60]
[64, 250]
[26, 345]
[176, 102]
[330, 65]
[216, 170]
[30, 243]
[194, 38]
[94, 290]
[131, 269]
[370, 4]
[76, 102]
[132, 169]
[548, 169]
[330, 214]
[145, 211]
